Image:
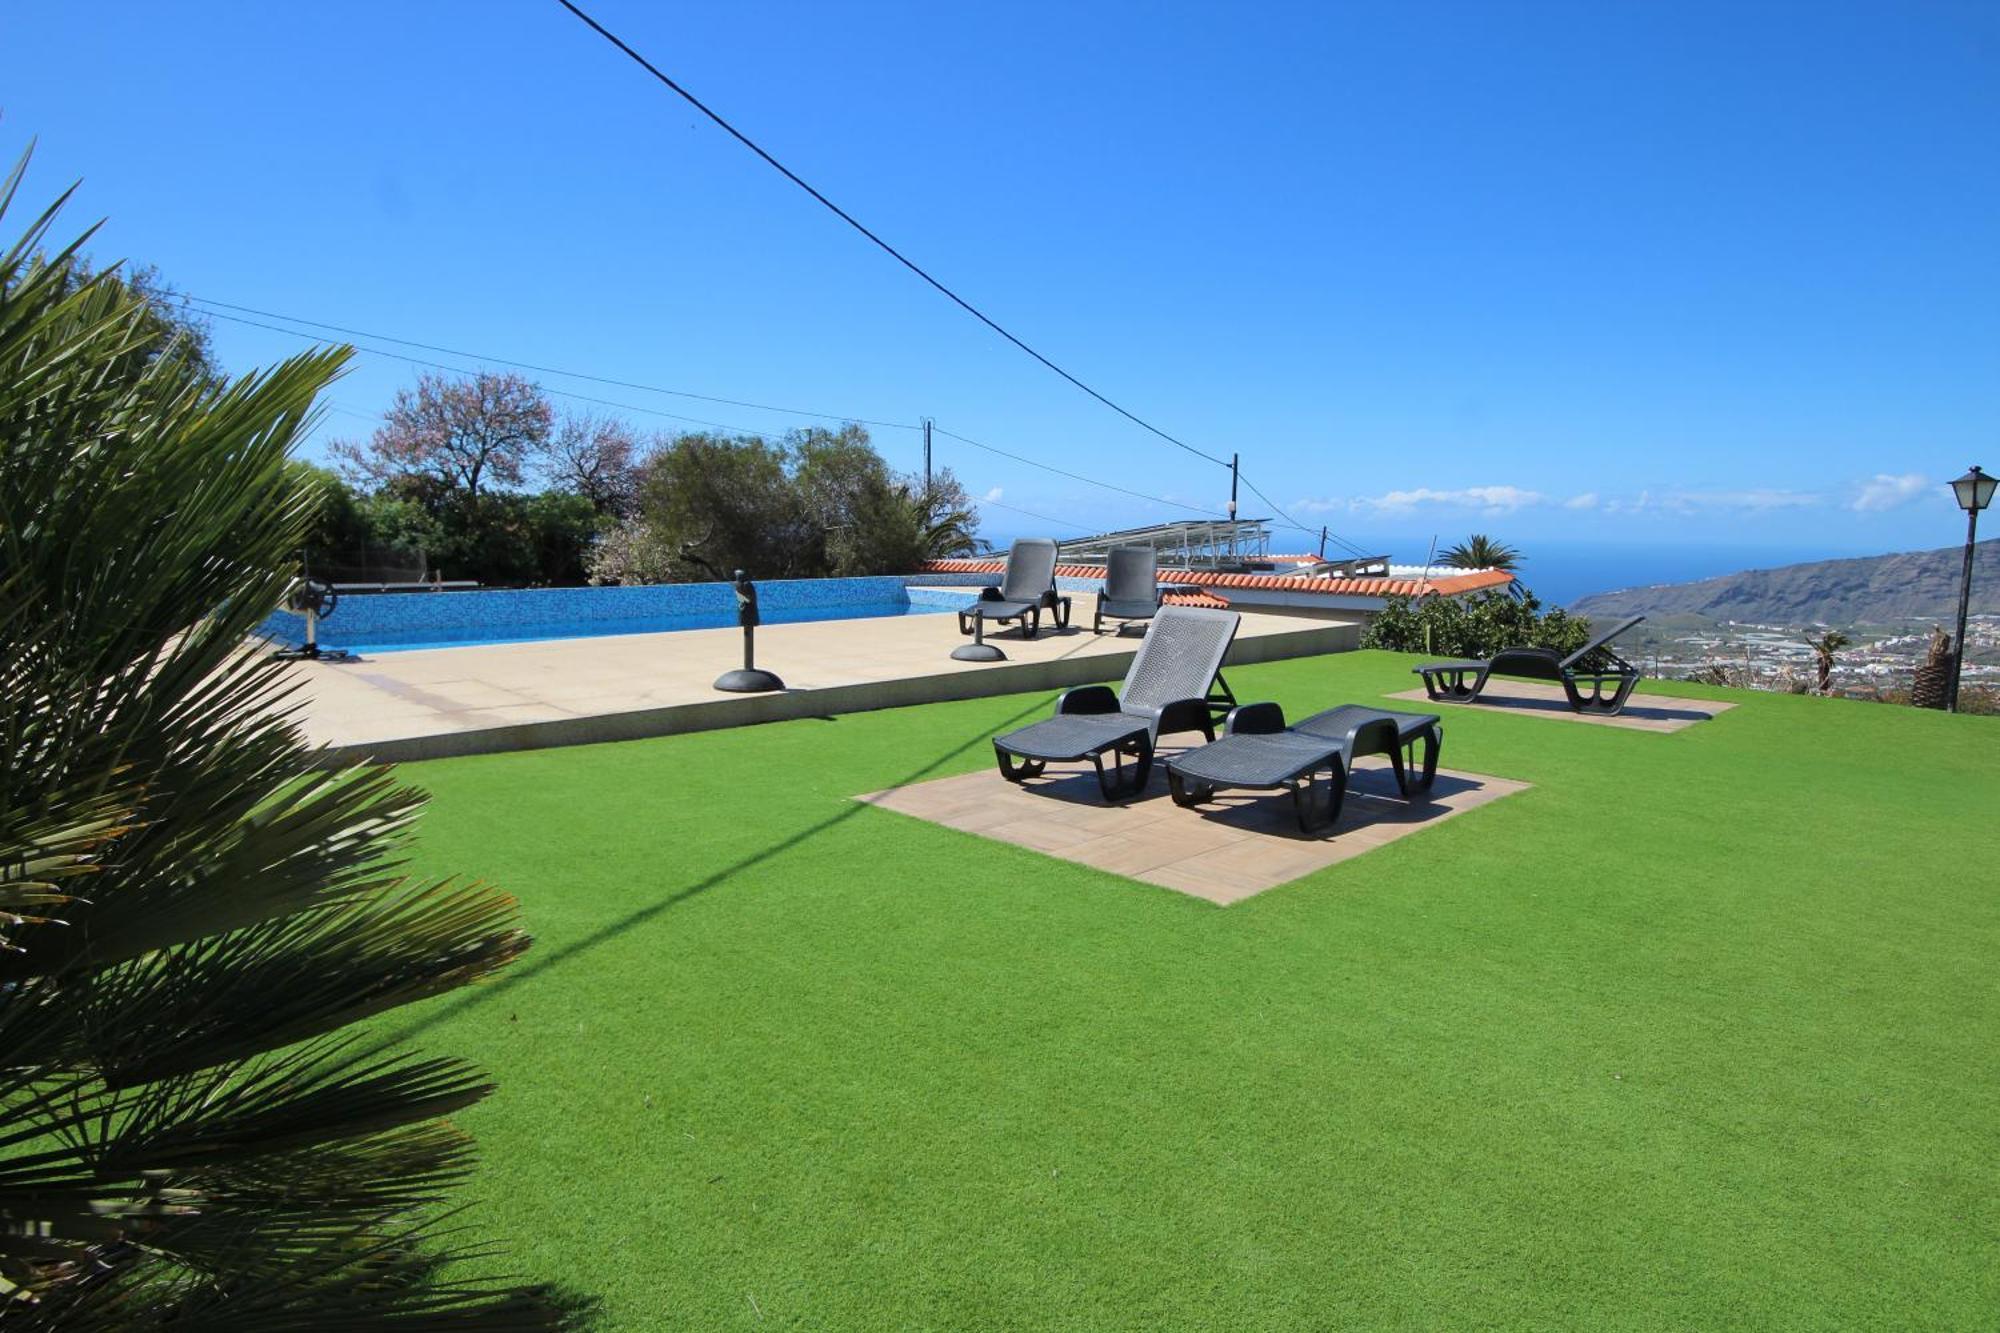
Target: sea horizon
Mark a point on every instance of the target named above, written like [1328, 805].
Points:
[1562, 571]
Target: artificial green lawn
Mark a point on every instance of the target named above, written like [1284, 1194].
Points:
[1701, 1031]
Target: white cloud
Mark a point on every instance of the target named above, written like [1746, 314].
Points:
[1886, 492]
[1588, 500]
[1486, 499]
[992, 497]
[1748, 501]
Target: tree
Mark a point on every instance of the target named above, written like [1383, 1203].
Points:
[458, 434]
[172, 325]
[1824, 647]
[1480, 552]
[596, 457]
[191, 909]
[895, 524]
[719, 505]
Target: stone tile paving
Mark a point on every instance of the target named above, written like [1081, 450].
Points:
[1239, 845]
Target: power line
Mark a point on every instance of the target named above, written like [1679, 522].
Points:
[633, 407]
[1044, 518]
[1294, 523]
[651, 411]
[461, 370]
[887, 248]
[1077, 476]
[525, 365]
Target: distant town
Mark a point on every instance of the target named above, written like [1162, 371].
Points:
[1878, 660]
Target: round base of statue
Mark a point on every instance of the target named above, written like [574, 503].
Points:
[748, 680]
[978, 652]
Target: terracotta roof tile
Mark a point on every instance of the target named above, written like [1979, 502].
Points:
[1449, 585]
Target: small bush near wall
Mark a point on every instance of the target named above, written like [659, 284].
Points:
[1475, 626]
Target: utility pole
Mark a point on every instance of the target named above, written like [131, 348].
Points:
[927, 455]
[1322, 542]
[1233, 473]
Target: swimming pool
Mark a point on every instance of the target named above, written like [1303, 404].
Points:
[399, 622]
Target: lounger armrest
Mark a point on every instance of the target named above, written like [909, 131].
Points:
[1088, 699]
[1375, 735]
[1258, 719]
[1180, 715]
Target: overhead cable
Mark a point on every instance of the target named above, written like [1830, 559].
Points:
[887, 248]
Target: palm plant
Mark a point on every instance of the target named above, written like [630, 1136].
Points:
[947, 524]
[1824, 647]
[192, 908]
[1480, 552]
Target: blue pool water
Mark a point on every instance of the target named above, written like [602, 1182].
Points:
[399, 622]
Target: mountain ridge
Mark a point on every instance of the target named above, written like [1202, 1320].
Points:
[1900, 588]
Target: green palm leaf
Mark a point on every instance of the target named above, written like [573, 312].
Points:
[192, 906]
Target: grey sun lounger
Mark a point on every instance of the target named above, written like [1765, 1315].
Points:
[1175, 684]
[1131, 587]
[1610, 678]
[1259, 751]
[1027, 588]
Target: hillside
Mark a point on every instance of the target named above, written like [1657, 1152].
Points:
[1915, 586]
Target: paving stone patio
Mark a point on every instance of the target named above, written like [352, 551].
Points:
[1239, 845]
[430, 703]
[1643, 712]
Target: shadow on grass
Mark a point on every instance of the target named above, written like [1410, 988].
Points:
[536, 964]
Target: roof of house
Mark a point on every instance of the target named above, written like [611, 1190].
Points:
[1450, 584]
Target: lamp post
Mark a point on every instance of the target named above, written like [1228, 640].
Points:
[1974, 491]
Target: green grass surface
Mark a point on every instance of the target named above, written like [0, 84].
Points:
[1701, 1031]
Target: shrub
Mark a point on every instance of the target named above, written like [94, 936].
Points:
[1475, 626]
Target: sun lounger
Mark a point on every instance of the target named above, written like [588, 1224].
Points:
[1027, 588]
[1131, 587]
[1175, 684]
[1260, 752]
[1610, 678]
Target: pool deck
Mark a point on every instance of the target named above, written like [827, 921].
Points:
[431, 703]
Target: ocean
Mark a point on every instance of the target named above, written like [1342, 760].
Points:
[1560, 572]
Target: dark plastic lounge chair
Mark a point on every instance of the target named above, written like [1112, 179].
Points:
[1610, 678]
[1259, 751]
[1027, 588]
[1175, 684]
[1131, 587]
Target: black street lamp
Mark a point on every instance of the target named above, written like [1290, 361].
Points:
[1974, 491]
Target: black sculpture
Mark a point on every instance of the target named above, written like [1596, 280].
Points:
[748, 679]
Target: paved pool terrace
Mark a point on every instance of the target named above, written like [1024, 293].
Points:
[431, 703]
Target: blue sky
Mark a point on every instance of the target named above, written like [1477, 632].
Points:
[1722, 276]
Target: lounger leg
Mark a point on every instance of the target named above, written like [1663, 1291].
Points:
[1021, 772]
[1031, 624]
[1401, 769]
[1336, 797]
[1433, 740]
[1451, 685]
[1596, 702]
[1115, 785]
[1186, 793]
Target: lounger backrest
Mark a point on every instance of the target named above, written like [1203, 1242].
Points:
[1131, 574]
[1179, 657]
[1031, 570]
[1600, 641]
